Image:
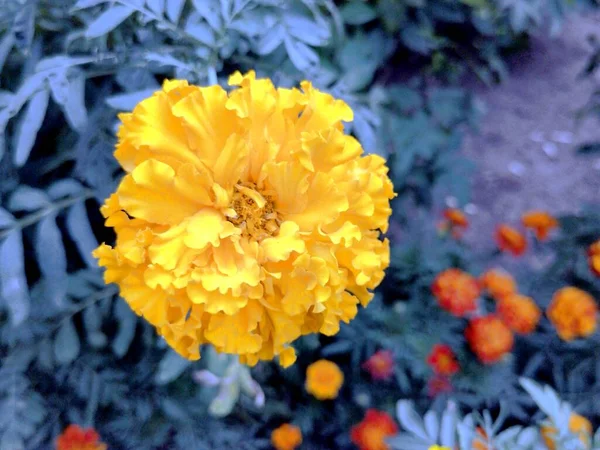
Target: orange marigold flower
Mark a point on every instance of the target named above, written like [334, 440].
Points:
[443, 360]
[498, 283]
[286, 437]
[245, 219]
[454, 220]
[578, 425]
[519, 312]
[573, 313]
[370, 434]
[540, 222]
[76, 438]
[489, 338]
[380, 365]
[324, 379]
[457, 291]
[437, 385]
[594, 257]
[509, 239]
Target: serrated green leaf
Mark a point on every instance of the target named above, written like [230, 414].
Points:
[52, 260]
[210, 10]
[29, 125]
[201, 31]
[108, 21]
[170, 368]
[13, 282]
[307, 29]
[66, 343]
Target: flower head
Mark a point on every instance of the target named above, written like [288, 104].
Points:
[443, 360]
[511, 240]
[498, 283]
[456, 291]
[324, 379]
[519, 312]
[437, 385]
[76, 438]
[578, 425]
[594, 257]
[489, 338]
[455, 221]
[380, 365]
[245, 219]
[540, 222]
[370, 434]
[286, 437]
[573, 313]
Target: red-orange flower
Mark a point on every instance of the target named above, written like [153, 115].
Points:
[286, 437]
[509, 239]
[519, 312]
[438, 384]
[370, 434]
[442, 360]
[498, 283]
[480, 441]
[380, 365]
[540, 222]
[454, 220]
[76, 438]
[594, 257]
[489, 338]
[456, 291]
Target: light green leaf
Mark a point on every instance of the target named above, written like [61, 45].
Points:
[358, 12]
[6, 218]
[66, 343]
[156, 6]
[410, 420]
[29, 125]
[81, 232]
[174, 9]
[26, 198]
[52, 260]
[108, 21]
[127, 321]
[13, 281]
[170, 368]
[302, 56]
[126, 102]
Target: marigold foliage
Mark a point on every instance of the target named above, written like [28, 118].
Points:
[380, 365]
[578, 425]
[370, 434]
[489, 338]
[573, 313]
[498, 283]
[76, 438]
[286, 437]
[519, 312]
[247, 219]
[540, 222]
[443, 360]
[324, 379]
[510, 240]
[456, 291]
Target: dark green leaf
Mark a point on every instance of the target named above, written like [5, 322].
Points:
[80, 231]
[108, 21]
[52, 260]
[13, 282]
[170, 368]
[127, 322]
[29, 125]
[589, 148]
[126, 102]
[302, 56]
[358, 12]
[26, 198]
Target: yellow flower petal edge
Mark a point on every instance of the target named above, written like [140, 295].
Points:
[246, 218]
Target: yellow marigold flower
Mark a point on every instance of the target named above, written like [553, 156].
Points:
[286, 437]
[439, 447]
[245, 219]
[578, 425]
[324, 379]
[573, 313]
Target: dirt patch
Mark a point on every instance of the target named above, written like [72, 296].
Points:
[525, 151]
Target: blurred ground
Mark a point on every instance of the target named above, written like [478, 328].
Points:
[525, 151]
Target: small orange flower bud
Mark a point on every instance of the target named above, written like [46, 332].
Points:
[498, 283]
[456, 291]
[286, 437]
[540, 222]
[573, 313]
[442, 360]
[519, 312]
[594, 257]
[489, 338]
[324, 379]
[509, 239]
[370, 434]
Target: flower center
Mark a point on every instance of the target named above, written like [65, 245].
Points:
[254, 213]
